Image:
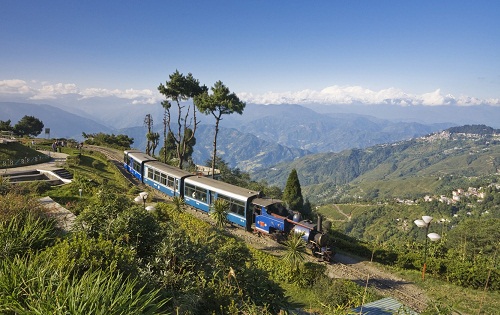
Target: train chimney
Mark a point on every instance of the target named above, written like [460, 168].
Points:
[320, 222]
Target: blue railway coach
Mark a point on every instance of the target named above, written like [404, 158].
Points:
[201, 192]
[165, 178]
[133, 161]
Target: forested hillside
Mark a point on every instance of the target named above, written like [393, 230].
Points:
[425, 165]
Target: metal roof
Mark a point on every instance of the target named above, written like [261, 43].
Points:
[386, 306]
[139, 156]
[168, 169]
[221, 187]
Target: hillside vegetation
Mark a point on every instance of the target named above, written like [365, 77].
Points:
[411, 168]
[121, 259]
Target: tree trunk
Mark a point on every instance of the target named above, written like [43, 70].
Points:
[215, 146]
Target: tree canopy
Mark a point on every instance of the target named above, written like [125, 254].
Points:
[179, 89]
[28, 126]
[292, 195]
[220, 102]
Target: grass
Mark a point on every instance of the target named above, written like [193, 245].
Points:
[16, 150]
[463, 300]
[91, 167]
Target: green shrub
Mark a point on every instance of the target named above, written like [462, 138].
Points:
[36, 286]
[25, 233]
[79, 254]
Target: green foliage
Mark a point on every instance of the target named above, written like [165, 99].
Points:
[4, 185]
[410, 168]
[181, 88]
[28, 126]
[294, 254]
[113, 216]
[79, 254]
[219, 211]
[474, 129]
[339, 292]
[292, 195]
[220, 102]
[112, 140]
[5, 125]
[16, 152]
[25, 233]
[137, 228]
[168, 151]
[36, 286]
[179, 203]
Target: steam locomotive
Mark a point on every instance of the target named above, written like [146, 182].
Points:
[247, 208]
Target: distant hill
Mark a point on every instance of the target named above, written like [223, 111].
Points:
[410, 167]
[238, 149]
[300, 127]
[61, 123]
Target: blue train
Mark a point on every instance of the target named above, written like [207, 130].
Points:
[247, 208]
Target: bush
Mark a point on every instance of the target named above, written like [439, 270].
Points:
[36, 286]
[25, 233]
[79, 254]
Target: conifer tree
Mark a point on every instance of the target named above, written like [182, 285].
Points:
[292, 195]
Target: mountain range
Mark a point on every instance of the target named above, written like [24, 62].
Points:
[264, 135]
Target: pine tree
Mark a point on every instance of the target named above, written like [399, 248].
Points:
[292, 195]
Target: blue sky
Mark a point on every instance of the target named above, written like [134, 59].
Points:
[404, 52]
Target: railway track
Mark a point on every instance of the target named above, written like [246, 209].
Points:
[344, 267]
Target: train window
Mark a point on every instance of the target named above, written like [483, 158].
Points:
[163, 178]
[150, 173]
[235, 206]
[195, 192]
[201, 195]
[170, 182]
[137, 166]
[156, 176]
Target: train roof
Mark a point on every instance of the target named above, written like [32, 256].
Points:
[221, 187]
[169, 169]
[139, 156]
[264, 202]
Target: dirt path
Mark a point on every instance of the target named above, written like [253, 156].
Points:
[348, 216]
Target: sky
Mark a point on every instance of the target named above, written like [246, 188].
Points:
[268, 52]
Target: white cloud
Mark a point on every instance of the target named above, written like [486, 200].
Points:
[335, 94]
[35, 90]
[14, 87]
[52, 91]
[356, 94]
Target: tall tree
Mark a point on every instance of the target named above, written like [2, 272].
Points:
[148, 122]
[5, 125]
[220, 102]
[180, 88]
[292, 195]
[28, 126]
[153, 139]
[168, 152]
